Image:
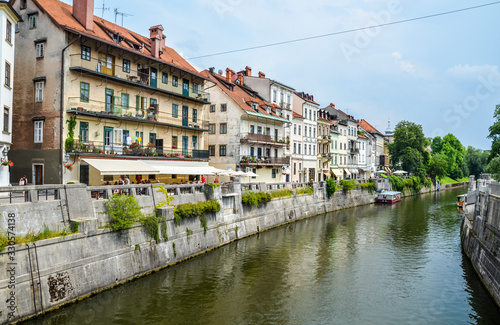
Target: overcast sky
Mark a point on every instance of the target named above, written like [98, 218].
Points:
[440, 72]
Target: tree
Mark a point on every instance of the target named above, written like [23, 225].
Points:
[495, 134]
[453, 152]
[437, 144]
[438, 166]
[408, 149]
[476, 160]
[494, 168]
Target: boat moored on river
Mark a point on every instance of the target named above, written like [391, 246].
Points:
[389, 197]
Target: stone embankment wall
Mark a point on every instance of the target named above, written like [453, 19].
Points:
[480, 233]
[49, 273]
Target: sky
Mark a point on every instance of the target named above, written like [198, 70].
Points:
[441, 72]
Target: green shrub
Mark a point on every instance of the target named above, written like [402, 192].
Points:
[191, 210]
[305, 190]
[253, 199]
[370, 186]
[348, 184]
[397, 183]
[151, 226]
[331, 187]
[281, 193]
[123, 210]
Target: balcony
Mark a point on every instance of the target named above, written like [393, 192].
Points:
[94, 148]
[117, 111]
[264, 161]
[323, 139]
[327, 156]
[354, 150]
[140, 78]
[263, 139]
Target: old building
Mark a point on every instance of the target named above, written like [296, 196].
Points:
[246, 132]
[324, 144]
[305, 105]
[8, 20]
[381, 156]
[93, 98]
[297, 145]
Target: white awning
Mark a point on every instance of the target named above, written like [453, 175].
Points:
[337, 172]
[347, 172]
[354, 171]
[121, 167]
[182, 167]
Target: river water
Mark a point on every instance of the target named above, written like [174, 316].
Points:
[399, 264]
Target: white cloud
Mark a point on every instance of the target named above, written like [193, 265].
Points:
[403, 64]
[472, 72]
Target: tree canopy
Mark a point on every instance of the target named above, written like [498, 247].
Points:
[495, 134]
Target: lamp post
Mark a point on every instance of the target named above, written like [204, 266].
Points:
[5, 151]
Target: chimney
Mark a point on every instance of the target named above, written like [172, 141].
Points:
[229, 75]
[262, 74]
[248, 71]
[332, 105]
[157, 40]
[211, 70]
[83, 11]
[240, 78]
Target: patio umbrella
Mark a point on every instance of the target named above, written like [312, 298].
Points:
[397, 172]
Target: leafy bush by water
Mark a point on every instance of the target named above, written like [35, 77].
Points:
[253, 199]
[348, 184]
[331, 187]
[305, 190]
[124, 211]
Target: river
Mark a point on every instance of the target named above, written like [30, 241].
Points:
[399, 264]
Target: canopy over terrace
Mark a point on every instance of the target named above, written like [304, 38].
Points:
[119, 167]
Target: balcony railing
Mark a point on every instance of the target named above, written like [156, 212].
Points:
[266, 161]
[135, 149]
[122, 110]
[354, 150]
[325, 155]
[263, 138]
[140, 78]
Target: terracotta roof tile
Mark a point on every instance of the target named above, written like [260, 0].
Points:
[368, 127]
[62, 14]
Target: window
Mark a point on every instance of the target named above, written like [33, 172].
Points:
[222, 150]
[295, 129]
[212, 108]
[195, 115]
[40, 49]
[84, 92]
[174, 142]
[310, 150]
[259, 129]
[252, 129]
[6, 117]
[125, 100]
[211, 129]
[223, 107]
[175, 81]
[196, 88]
[223, 128]
[140, 103]
[274, 173]
[32, 20]
[85, 53]
[288, 99]
[23, 4]
[164, 77]
[126, 65]
[84, 132]
[8, 32]
[107, 64]
[299, 132]
[38, 131]
[7, 74]
[140, 137]
[299, 149]
[175, 110]
[274, 96]
[211, 150]
[39, 91]
[152, 138]
[294, 148]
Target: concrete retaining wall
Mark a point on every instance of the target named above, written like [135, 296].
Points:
[480, 233]
[57, 271]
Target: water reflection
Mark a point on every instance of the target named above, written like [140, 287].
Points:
[397, 264]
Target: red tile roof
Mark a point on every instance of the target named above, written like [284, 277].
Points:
[240, 95]
[296, 115]
[62, 15]
[368, 127]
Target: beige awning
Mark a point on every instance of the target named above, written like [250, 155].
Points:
[337, 172]
[121, 167]
[347, 172]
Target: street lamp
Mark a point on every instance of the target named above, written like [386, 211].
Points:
[5, 151]
[66, 157]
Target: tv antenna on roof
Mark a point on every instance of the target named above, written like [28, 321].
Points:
[121, 14]
[103, 8]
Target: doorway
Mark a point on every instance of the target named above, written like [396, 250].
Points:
[38, 174]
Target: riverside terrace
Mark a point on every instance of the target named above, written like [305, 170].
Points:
[55, 206]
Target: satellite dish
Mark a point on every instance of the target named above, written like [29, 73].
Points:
[220, 72]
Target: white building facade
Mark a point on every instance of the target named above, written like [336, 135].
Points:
[8, 20]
